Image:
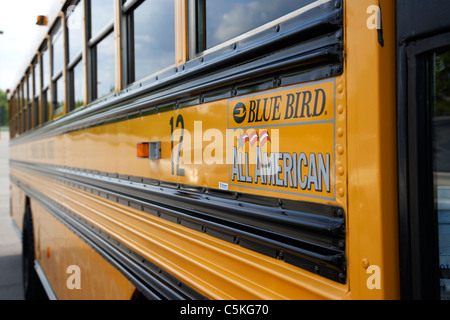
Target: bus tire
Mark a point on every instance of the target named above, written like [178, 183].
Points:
[32, 286]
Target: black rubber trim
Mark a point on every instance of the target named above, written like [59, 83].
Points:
[308, 235]
[149, 279]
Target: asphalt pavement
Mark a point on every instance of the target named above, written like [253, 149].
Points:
[10, 243]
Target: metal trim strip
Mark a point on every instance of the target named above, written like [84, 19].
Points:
[149, 279]
[312, 240]
[45, 283]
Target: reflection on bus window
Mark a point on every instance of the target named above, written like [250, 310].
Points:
[102, 12]
[45, 68]
[37, 78]
[58, 108]
[74, 23]
[105, 66]
[154, 33]
[78, 85]
[441, 161]
[228, 19]
[45, 106]
[57, 46]
[25, 90]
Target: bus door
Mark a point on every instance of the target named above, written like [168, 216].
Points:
[423, 68]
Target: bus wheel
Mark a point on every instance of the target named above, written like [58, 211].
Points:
[32, 287]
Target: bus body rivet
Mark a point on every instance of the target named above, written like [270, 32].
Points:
[365, 263]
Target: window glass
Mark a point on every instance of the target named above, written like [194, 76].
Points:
[22, 101]
[59, 102]
[29, 122]
[36, 112]
[25, 90]
[46, 68]
[105, 66]
[45, 107]
[154, 37]
[24, 120]
[74, 24]
[57, 45]
[440, 106]
[37, 78]
[226, 19]
[78, 92]
[102, 12]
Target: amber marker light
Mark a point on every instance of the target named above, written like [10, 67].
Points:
[42, 21]
[143, 150]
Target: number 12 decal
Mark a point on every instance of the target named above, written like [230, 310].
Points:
[180, 121]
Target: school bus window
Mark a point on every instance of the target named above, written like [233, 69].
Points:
[152, 32]
[101, 47]
[75, 32]
[25, 90]
[36, 90]
[57, 73]
[77, 80]
[440, 112]
[45, 67]
[33, 79]
[23, 107]
[45, 106]
[28, 98]
[45, 76]
[59, 93]
[57, 47]
[28, 101]
[105, 66]
[102, 13]
[74, 68]
[222, 20]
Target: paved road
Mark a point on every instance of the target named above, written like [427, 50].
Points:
[10, 244]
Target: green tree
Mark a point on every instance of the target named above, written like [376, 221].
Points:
[4, 117]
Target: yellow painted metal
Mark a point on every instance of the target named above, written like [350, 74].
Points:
[58, 250]
[215, 268]
[17, 203]
[371, 130]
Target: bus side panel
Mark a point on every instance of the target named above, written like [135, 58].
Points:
[18, 203]
[212, 267]
[73, 269]
[372, 163]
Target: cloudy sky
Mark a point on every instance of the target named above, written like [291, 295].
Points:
[18, 23]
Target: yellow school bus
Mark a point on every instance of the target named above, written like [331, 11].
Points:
[221, 150]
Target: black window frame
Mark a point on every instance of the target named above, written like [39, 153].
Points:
[418, 229]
